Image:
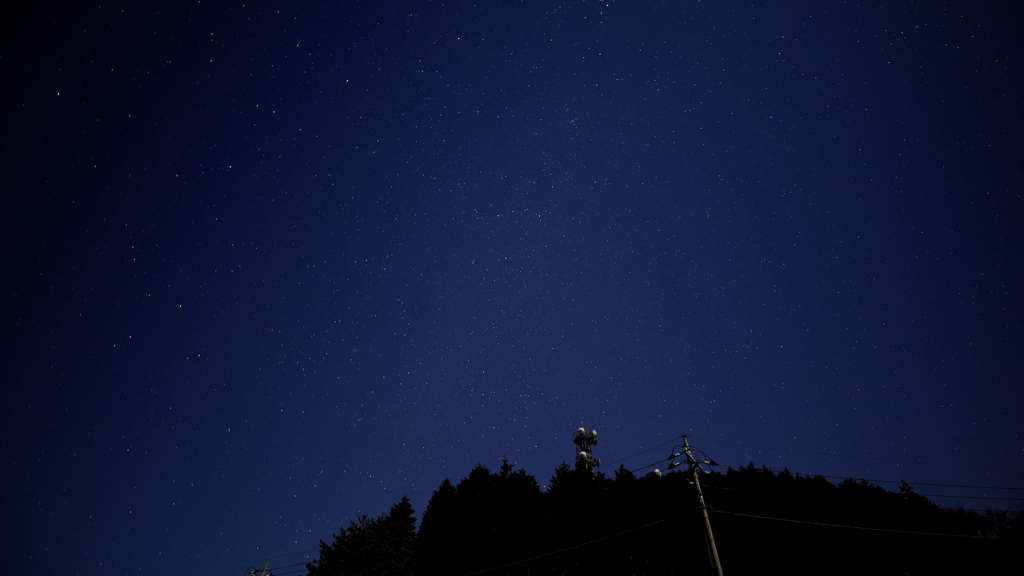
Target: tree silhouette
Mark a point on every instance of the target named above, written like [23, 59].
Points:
[487, 520]
[585, 523]
[381, 546]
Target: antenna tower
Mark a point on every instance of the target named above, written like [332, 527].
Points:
[585, 441]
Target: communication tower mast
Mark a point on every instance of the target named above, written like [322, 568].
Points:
[585, 441]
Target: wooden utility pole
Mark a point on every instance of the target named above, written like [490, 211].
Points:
[262, 572]
[695, 468]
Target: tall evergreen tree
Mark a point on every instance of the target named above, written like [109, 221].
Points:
[487, 520]
[381, 546]
[435, 541]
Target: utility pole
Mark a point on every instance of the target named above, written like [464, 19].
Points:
[262, 572]
[696, 469]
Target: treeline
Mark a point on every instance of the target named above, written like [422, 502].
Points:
[588, 523]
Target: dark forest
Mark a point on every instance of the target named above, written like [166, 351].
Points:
[588, 523]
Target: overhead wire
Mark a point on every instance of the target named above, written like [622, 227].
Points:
[644, 451]
[828, 454]
[942, 485]
[673, 456]
[571, 547]
[897, 482]
[288, 566]
[719, 511]
[269, 557]
[296, 553]
[859, 457]
[713, 487]
[850, 527]
[236, 570]
[649, 465]
[973, 497]
[886, 481]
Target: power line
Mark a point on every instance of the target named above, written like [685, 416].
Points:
[277, 556]
[943, 485]
[649, 465]
[1004, 498]
[646, 451]
[891, 481]
[236, 570]
[886, 481]
[859, 457]
[722, 512]
[295, 553]
[288, 566]
[571, 547]
[713, 487]
[973, 497]
[837, 455]
[851, 527]
[672, 457]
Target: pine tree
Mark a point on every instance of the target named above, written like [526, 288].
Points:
[381, 546]
[487, 520]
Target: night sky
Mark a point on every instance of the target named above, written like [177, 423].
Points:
[267, 266]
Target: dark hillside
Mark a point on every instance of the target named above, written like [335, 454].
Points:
[587, 523]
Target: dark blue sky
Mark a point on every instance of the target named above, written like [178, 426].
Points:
[267, 266]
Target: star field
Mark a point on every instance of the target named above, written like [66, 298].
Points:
[269, 266]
